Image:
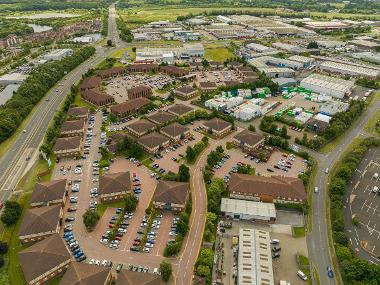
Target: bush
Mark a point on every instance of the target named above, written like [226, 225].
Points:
[131, 202]
[11, 213]
[90, 219]
[165, 270]
[1, 262]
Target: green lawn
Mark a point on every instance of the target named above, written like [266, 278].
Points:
[217, 52]
[371, 125]
[80, 102]
[298, 232]
[139, 16]
[101, 208]
[304, 265]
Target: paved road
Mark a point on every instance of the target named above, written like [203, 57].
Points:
[318, 240]
[13, 162]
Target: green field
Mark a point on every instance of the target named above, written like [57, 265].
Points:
[139, 16]
[217, 52]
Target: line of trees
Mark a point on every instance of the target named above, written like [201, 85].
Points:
[192, 152]
[125, 32]
[354, 270]
[215, 192]
[34, 88]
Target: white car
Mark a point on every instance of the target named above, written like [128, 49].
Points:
[316, 190]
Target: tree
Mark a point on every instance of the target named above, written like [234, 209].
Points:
[183, 173]
[1, 261]
[133, 49]
[252, 128]
[341, 238]
[284, 132]
[11, 213]
[220, 149]
[190, 153]
[165, 270]
[343, 252]
[131, 202]
[206, 257]
[203, 270]
[90, 219]
[312, 45]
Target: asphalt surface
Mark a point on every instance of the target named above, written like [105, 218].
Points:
[14, 162]
[357, 234]
[319, 253]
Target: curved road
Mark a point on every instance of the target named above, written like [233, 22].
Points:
[14, 162]
[319, 253]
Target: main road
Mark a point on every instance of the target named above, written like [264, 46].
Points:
[14, 162]
[318, 243]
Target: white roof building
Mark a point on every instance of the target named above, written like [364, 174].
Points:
[327, 85]
[254, 259]
[353, 70]
[331, 44]
[224, 103]
[247, 210]
[306, 61]
[288, 47]
[368, 56]
[330, 108]
[12, 78]
[58, 54]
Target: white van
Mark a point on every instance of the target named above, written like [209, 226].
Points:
[376, 175]
[375, 189]
[274, 241]
[301, 275]
[326, 170]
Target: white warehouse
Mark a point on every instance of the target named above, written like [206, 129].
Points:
[327, 85]
[254, 258]
[247, 210]
[223, 103]
[354, 70]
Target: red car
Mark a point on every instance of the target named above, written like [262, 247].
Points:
[71, 209]
[136, 243]
[134, 174]
[118, 238]
[110, 226]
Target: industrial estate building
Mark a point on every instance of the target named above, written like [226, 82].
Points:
[254, 258]
[57, 54]
[335, 87]
[247, 210]
[350, 69]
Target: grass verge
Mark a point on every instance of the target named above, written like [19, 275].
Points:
[11, 273]
[304, 265]
[101, 208]
[370, 127]
[298, 232]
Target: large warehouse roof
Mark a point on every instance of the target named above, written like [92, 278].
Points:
[254, 260]
[328, 82]
[248, 207]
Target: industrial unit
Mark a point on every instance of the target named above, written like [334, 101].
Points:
[327, 85]
[349, 69]
[247, 210]
[254, 258]
[57, 54]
